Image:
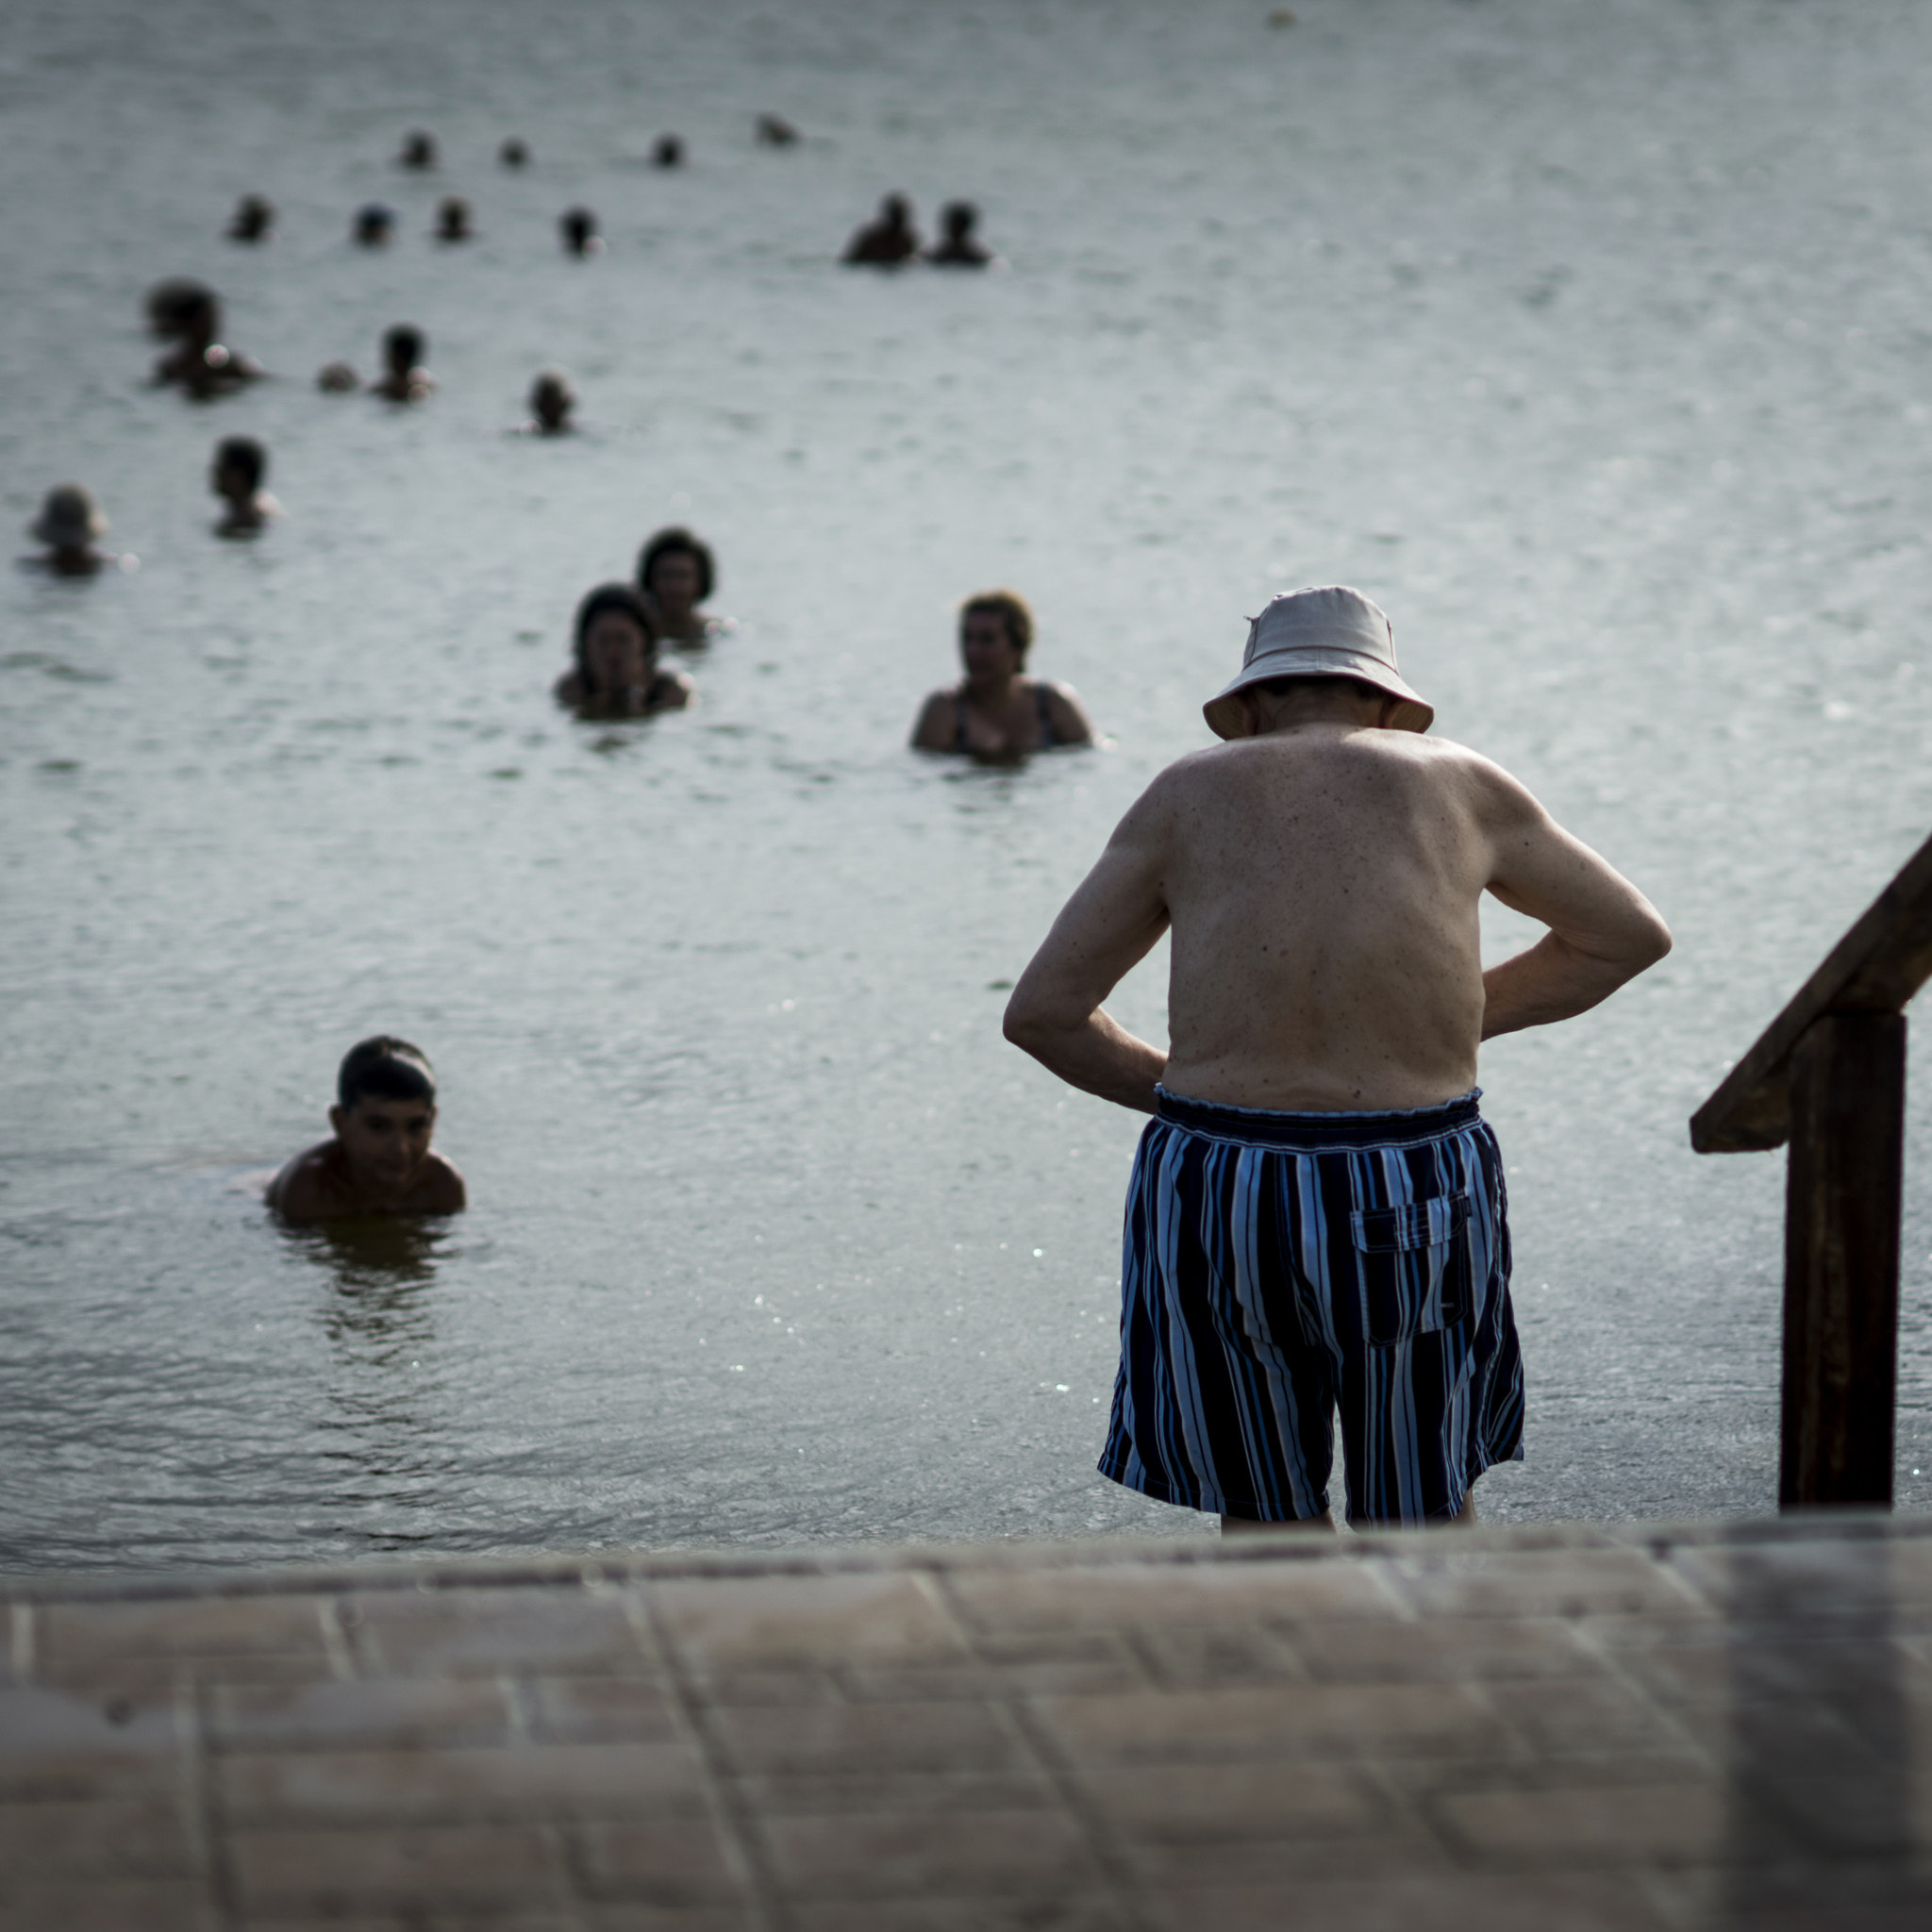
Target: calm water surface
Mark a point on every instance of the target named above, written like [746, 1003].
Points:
[1590, 338]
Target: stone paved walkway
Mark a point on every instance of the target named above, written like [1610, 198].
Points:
[1689, 1727]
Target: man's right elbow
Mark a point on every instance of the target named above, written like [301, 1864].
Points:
[1020, 1023]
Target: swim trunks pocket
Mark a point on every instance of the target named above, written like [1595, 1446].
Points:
[1414, 1264]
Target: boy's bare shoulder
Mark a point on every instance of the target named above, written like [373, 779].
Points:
[439, 1189]
[309, 1186]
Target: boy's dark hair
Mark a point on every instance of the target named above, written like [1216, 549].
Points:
[388, 1068]
[244, 454]
[670, 544]
[402, 345]
[609, 597]
[1012, 608]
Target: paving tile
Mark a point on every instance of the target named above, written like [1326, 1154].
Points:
[1450, 1902]
[1047, 1912]
[591, 1710]
[1453, 1651]
[1215, 1592]
[420, 1869]
[1633, 1824]
[357, 1713]
[778, 1794]
[1556, 1718]
[913, 1854]
[1216, 1802]
[118, 1839]
[1205, 1656]
[74, 1636]
[760, 1622]
[459, 1632]
[1404, 1848]
[423, 1917]
[1417, 1779]
[731, 1687]
[665, 1862]
[869, 1737]
[633, 1915]
[59, 1744]
[1523, 1583]
[1324, 1720]
[1826, 1580]
[122, 1904]
[532, 1780]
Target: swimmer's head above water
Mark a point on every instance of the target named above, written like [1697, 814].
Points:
[578, 227]
[253, 218]
[552, 399]
[614, 642]
[378, 1160]
[67, 524]
[374, 225]
[677, 572]
[403, 378]
[452, 219]
[236, 477]
[995, 634]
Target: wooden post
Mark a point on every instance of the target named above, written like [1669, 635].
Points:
[1844, 1193]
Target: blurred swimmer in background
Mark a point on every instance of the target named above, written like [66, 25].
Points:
[199, 365]
[616, 674]
[959, 247]
[236, 477]
[995, 711]
[578, 227]
[68, 524]
[677, 574]
[403, 378]
[887, 239]
[552, 399]
[252, 220]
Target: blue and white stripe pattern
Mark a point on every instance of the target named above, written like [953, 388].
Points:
[1278, 1266]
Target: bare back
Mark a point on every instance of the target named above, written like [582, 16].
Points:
[1322, 878]
[1323, 887]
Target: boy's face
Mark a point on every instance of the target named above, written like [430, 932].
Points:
[384, 1142]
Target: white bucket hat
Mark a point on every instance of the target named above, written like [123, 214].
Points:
[1333, 632]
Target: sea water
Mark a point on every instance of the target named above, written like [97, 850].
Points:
[1589, 337]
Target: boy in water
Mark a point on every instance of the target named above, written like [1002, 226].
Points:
[378, 1162]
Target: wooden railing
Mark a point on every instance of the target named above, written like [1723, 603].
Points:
[1829, 1075]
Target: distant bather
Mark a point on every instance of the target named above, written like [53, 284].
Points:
[403, 378]
[995, 711]
[252, 220]
[959, 247]
[67, 524]
[677, 574]
[615, 673]
[887, 239]
[579, 226]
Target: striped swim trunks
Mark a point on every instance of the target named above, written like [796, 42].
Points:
[1278, 1266]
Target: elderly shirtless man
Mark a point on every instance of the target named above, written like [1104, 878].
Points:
[1316, 1214]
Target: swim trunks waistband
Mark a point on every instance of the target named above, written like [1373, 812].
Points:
[1263, 1127]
